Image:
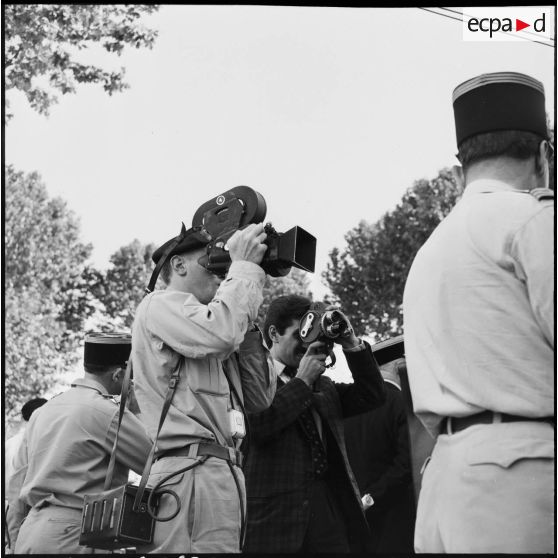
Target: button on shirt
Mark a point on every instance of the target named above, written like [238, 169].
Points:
[479, 308]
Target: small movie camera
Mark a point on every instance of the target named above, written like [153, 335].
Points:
[236, 209]
[324, 325]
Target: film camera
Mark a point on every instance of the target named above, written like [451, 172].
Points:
[326, 325]
[237, 208]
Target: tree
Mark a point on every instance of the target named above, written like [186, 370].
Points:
[42, 42]
[122, 287]
[296, 282]
[46, 287]
[368, 277]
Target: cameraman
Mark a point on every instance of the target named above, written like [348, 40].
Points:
[302, 494]
[195, 325]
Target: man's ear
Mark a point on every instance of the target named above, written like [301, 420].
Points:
[117, 374]
[178, 265]
[272, 332]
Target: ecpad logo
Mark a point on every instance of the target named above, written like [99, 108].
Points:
[508, 23]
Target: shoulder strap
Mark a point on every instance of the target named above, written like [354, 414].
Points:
[123, 398]
[163, 259]
[173, 382]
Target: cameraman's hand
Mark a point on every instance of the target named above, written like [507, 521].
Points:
[348, 340]
[312, 364]
[247, 244]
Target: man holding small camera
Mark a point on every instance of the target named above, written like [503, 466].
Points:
[200, 325]
[302, 494]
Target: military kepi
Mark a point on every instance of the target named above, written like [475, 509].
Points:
[499, 101]
[107, 349]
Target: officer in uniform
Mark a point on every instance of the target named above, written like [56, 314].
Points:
[66, 450]
[479, 332]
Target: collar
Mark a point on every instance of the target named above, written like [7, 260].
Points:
[393, 383]
[279, 368]
[485, 185]
[90, 384]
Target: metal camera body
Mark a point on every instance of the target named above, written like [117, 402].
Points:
[325, 326]
[235, 209]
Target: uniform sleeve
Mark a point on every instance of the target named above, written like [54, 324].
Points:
[368, 391]
[17, 509]
[532, 250]
[197, 330]
[134, 444]
[256, 375]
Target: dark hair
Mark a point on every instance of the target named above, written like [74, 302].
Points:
[282, 311]
[99, 369]
[31, 406]
[510, 143]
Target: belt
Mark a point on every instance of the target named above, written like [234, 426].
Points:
[451, 425]
[210, 449]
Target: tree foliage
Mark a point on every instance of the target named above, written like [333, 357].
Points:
[42, 42]
[368, 276]
[296, 282]
[46, 287]
[122, 286]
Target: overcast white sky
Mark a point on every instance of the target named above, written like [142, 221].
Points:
[330, 113]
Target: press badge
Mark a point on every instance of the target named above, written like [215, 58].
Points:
[238, 428]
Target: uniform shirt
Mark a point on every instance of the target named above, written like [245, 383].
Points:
[170, 324]
[11, 446]
[66, 450]
[478, 308]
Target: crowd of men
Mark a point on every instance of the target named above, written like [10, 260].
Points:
[257, 451]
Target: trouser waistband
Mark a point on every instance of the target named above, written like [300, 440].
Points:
[210, 449]
[451, 425]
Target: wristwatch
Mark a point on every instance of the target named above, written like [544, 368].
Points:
[367, 501]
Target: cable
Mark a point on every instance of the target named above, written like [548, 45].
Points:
[151, 507]
[242, 510]
[461, 20]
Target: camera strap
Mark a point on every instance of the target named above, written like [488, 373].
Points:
[163, 259]
[123, 398]
[173, 381]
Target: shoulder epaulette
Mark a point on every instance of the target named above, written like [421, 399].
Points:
[542, 193]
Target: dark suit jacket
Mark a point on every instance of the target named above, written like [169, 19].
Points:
[378, 448]
[278, 469]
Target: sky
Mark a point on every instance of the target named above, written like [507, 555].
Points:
[330, 113]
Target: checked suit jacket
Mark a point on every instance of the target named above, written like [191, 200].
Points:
[279, 470]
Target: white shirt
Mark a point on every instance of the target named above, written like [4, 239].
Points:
[479, 310]
[10, 449]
